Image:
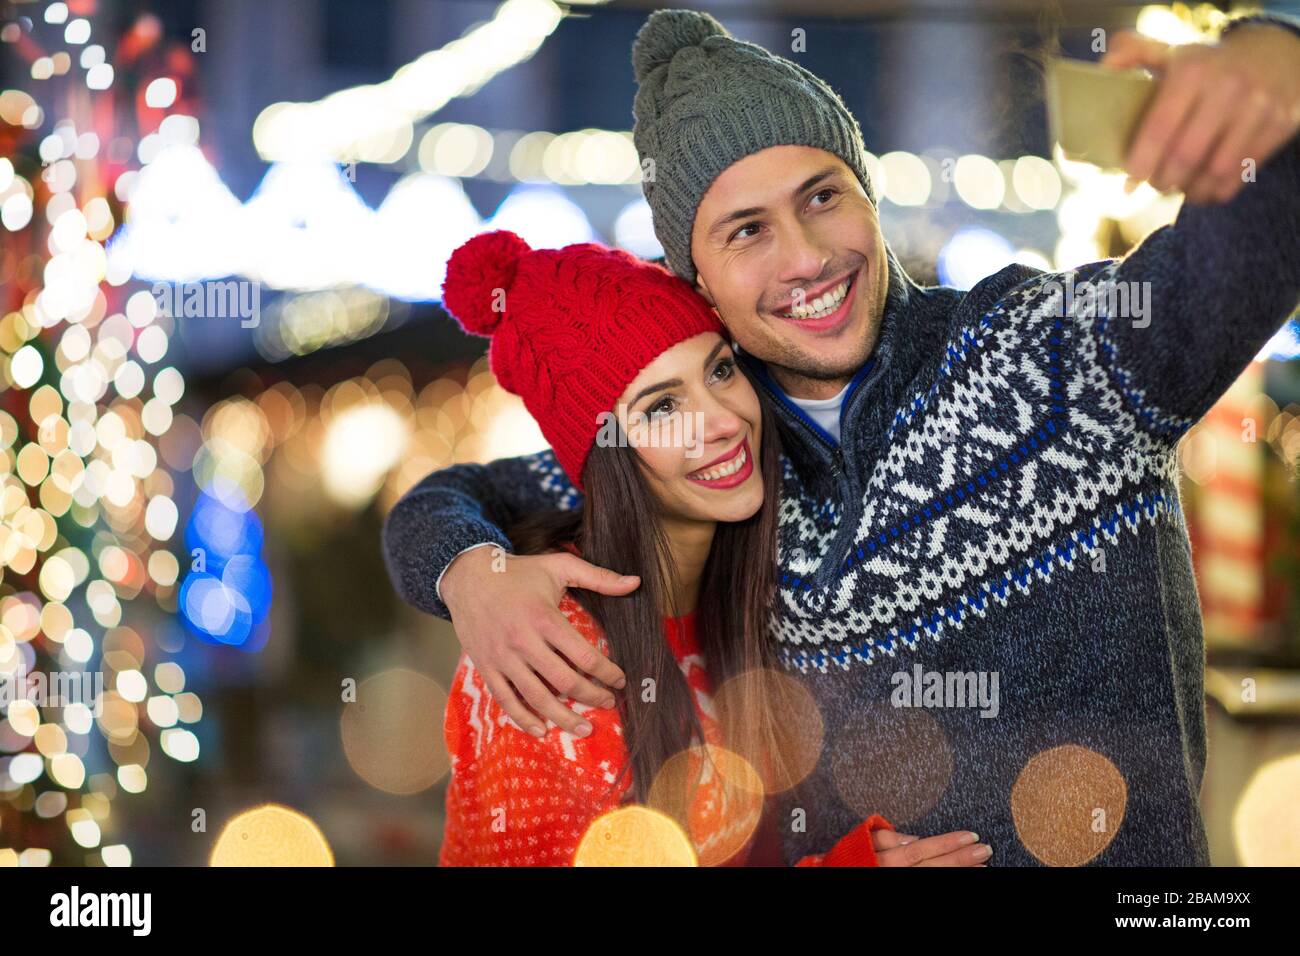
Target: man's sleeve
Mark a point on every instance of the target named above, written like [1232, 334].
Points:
[458, 507]
[1205, 294]
[1211, 290]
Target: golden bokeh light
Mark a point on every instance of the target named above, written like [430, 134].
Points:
[715, 795]
[392, 732]
[1067, 804]
[271, 835]
[1266, 821]
[797, 725]
[635, 836]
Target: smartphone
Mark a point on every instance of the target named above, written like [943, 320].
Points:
[1093, 111]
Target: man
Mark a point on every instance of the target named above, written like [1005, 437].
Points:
[985, 576]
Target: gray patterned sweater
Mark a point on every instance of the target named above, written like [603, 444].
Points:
[987, 587]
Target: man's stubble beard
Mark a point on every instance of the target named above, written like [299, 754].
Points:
[796, 368]
[792, 367]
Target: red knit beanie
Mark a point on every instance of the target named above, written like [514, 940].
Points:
[570, 328]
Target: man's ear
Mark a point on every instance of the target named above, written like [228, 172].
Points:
[702, 288]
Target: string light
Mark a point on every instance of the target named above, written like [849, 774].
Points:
[375, 123]
[87, 503]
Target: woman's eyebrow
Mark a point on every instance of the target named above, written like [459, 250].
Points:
[673, 382]
[656, 387]
[713, 354]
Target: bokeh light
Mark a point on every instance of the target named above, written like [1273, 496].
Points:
[271, 835]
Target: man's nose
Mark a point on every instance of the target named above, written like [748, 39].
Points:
[802, 258]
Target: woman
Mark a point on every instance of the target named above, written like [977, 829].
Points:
[630, 376]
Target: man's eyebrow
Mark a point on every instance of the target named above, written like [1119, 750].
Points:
[749, 211]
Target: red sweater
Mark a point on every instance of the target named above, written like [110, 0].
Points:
[519, 800]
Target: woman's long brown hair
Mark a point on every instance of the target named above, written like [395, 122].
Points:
[619, 527]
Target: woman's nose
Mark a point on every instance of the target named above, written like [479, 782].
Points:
[720, 422]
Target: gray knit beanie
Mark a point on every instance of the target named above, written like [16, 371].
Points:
[706, 100]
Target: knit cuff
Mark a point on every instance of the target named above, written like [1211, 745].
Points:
[853, 849]
[1270, 19]
[418, 549]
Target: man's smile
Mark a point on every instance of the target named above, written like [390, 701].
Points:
[823, 308]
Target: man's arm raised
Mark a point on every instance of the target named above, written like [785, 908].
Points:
[1221, 279]
[504, 607]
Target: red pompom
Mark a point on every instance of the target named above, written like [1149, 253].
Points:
[479, 275]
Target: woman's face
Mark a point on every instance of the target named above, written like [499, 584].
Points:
[695, 421]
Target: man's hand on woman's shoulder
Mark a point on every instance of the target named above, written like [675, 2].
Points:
[509, 623]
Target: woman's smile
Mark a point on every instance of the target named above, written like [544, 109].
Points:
[730, 470]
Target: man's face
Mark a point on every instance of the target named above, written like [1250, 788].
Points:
[788, 250]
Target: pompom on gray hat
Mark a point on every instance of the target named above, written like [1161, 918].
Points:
[706, 100]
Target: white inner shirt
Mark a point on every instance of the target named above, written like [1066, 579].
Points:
[824, 411]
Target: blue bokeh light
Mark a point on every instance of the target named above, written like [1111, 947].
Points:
[227, 594]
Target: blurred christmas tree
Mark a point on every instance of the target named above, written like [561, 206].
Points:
[87, 501]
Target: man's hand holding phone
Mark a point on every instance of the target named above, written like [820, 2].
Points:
[1218, 109]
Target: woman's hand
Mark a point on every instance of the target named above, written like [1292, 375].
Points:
[959, 848]
[874, 842]
[509, 624]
